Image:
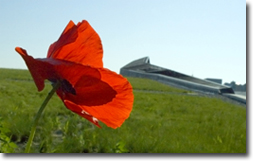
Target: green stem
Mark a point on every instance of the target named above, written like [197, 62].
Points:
[38, 115]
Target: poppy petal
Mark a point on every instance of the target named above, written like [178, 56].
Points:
[78, 43]
[69, 35]
[42, 69]
[92, 91]
[76, 109]
[86, 81]
[36, 68]
[113, 112]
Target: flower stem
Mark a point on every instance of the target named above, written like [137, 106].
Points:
[37, 117]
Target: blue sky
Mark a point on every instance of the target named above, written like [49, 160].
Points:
[203, 38]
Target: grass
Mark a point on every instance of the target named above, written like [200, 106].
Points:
[164, 120]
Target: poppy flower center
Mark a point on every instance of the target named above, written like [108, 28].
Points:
[65, 86]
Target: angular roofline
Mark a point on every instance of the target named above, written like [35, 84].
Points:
[142, 68]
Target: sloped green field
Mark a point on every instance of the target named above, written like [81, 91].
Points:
[164, 120]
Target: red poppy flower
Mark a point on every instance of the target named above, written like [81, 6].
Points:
[86, 88]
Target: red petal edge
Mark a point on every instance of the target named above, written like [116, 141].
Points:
[78, 43]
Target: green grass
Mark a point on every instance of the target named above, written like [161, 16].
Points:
[164, 120]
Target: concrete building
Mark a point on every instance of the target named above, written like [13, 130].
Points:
[143, 69]
[219, 81]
